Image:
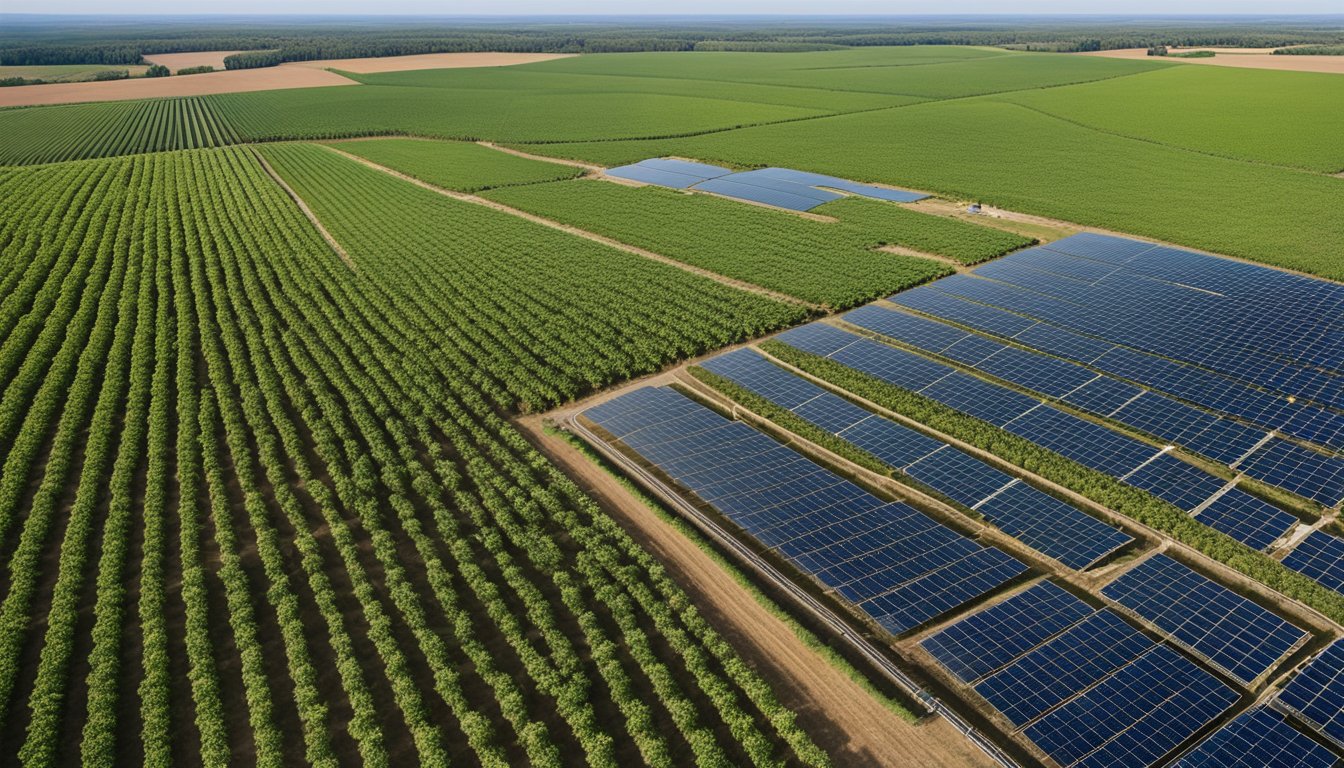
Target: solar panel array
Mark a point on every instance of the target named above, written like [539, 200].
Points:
[1135, 716]
[1278, 462]
[1319, 556]
[1042, 522]
[1316, 694]
[1257, 738]
[986, 641]
[665, 172]
[1197, 327]
[780, 187]
[1222, 627]
[1254, 523]
[896, 564]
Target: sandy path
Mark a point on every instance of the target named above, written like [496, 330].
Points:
[569, 229]
[233, 81]
[835, 711]
[1249, 58]
[176, 61]
[431, 61]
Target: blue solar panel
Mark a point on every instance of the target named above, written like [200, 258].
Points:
[1168, 419]
[818, 338]
[832, 413]
[1116, 250]
[748, 368]
[1046, 375]
[916, 331]
[1182, 484]
[1231, 632]
[892, 443]
[1225, 441]
[1294, 468]
[899, 565]
[1060, 668]
[932, 300]
[979, 398]
[1316, 694]
[687, 167]
[994, 637]
[654, 176]
[1083, 441]
[894, 366]
[1135, 716]
[1102, 395]
[1319, 556]
[755, 178]
[1257, 738]
[1065, 344]
[758, 194]
[1255, 523]
[1051, 526]
[958, 476]
[819, 180]
[972, 349]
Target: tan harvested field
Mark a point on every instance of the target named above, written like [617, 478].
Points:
[236, 81]
[839, 715]
[1250, 58]
[176, 61]
[430, 61]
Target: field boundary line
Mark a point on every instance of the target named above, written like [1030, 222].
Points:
[308, 212]
[590, 167]
[545, 222]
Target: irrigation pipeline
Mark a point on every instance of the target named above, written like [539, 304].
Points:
[867, 650]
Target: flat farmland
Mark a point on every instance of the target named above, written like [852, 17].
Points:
[394, 424]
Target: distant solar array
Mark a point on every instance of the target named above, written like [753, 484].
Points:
[1209, 498]
[896, 564]
[779, 187]
[1084, 685]
[1250, 450]
[1243, 340]
[1035, 518]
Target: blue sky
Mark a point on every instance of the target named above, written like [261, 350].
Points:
[626, 7]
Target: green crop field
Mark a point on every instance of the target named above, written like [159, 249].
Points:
[830, 263]
[276, 485]
[52, 134]
[456, 165]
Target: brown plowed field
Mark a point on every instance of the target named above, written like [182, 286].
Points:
[1250, 58]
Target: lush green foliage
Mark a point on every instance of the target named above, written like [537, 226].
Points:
[1312, 50]
[51, 134]
[198, 70]
[828, 263]
[456, 165]
[342, 551]
[472, 114]
[1090, 483]
[546, 315]
[897, 225]
[1018, 158]
[1285, 118]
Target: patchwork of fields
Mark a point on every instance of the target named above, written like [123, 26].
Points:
[263, 355]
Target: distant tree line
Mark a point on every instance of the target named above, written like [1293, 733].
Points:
[87, 41]
[1312, 50]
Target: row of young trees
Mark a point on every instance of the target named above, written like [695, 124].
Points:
[300, 527]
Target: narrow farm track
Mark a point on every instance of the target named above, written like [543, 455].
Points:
[839, 715]
[527, 155]
[469, 198]
[307, 212]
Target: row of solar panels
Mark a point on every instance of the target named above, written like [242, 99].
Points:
[1215, 502]
[1272, 315]
[1039, 520]
[778, 187]
[896, 564]
[1250, 450]
[1145, 329]
[1089, 688]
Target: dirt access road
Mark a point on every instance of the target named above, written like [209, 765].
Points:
[839, 715]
